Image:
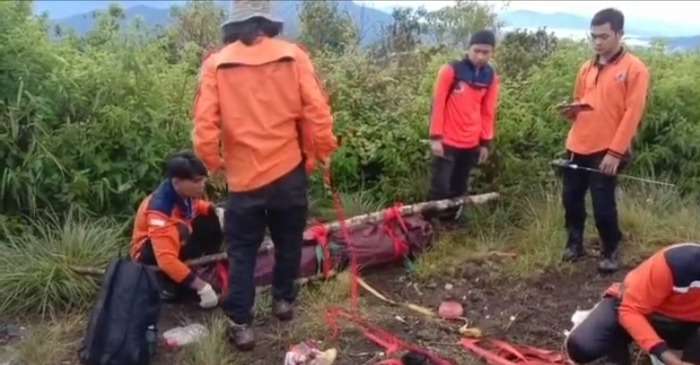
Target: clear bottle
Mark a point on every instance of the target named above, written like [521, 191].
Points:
[181, 336]
[152, 339]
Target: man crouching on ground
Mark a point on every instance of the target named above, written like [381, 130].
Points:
[657, 306]
[261, 118]
[174, 224]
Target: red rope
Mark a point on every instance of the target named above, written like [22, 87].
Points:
[499, 353]
[385, 339]
[354, 266]
[222, 272]
[503, 353]
[392, 215]
[381, 337]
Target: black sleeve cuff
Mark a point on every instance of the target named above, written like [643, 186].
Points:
[659, 349]
[486, 143]
[188, 279]
[435, 137]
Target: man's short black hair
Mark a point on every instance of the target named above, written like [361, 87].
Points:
[185, 165]
[612, 16]
[483, 37]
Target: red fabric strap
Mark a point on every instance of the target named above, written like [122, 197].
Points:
[503, 353]
[393, 215]
[320, 234]
[222, 272]
[354, 266]
[380, 336]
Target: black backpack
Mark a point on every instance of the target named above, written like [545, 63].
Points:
[123, 324]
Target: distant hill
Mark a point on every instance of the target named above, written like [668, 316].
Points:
[638, 32]
[370, 21]
[83, 23]
[533, 19]
[684, 43]
[636, 27]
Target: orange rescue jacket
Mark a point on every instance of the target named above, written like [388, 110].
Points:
[617, 91]
[260, 112]
[463, 116]
[165, 219]
[668, 283]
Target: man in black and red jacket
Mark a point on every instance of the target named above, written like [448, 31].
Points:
[463, 118]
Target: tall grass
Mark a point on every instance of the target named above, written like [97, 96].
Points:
[35, 267]
[314, 301]
[484, 232]
[354, 204]
[532, 227]
[653, 217]
[51, 343]
[213, 349]
[538, 239]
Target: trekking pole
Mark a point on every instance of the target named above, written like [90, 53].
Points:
[567, 165]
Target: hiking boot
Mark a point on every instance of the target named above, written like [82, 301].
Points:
[283, 310]
[608, 264]
[241, 335]
[168, 296]
[573, 253]
[169, 292]
[574, 246]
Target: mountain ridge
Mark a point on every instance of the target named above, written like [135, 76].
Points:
[370, 21]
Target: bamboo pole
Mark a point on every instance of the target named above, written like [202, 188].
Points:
[369, 218]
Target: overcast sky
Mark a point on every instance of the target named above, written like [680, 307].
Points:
[686, 13]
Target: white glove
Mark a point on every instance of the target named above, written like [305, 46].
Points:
[207, 297]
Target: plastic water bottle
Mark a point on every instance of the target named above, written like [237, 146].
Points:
[152, 339]
[181, 336]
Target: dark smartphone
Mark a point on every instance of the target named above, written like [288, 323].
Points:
[579, 106]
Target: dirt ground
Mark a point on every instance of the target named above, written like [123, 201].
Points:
[534, 312]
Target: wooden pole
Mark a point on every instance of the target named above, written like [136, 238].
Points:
[370, 218]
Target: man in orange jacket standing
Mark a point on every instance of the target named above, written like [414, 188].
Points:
[610, 97]
[463, 118]
[261, 117]
[657, 306]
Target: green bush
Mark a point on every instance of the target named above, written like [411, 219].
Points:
[88, 122]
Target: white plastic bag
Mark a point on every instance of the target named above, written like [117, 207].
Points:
[308, 353]
[577, 318]
[181, 336]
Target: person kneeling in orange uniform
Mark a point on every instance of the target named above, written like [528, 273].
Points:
[174, 224]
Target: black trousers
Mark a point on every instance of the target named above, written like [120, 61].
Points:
[601, 335]
[205, 239]
[450, 175]
[576, 184]
[282, 207]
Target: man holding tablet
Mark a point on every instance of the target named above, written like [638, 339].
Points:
[609, 101]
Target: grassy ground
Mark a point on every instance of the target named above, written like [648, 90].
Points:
[216, 349]
[530, 227]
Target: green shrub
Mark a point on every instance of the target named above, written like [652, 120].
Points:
[36, 267]
[88, 122]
